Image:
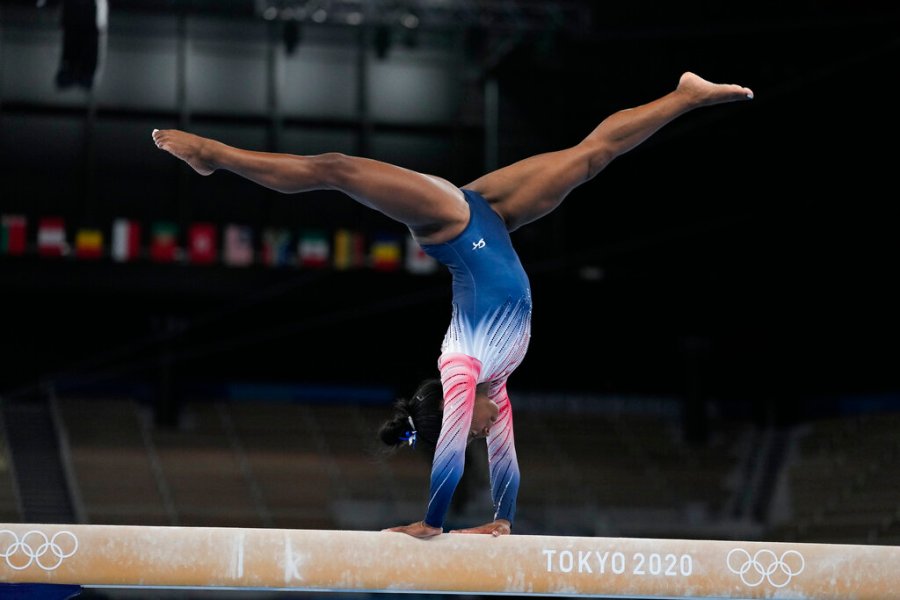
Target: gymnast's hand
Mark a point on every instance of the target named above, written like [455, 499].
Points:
[495, 528]
[418, 530]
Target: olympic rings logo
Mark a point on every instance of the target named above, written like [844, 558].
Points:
[35, 547]
[765, 565]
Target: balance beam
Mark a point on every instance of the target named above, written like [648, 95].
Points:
[124, 556]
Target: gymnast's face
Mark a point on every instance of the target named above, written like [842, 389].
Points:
[483, 417]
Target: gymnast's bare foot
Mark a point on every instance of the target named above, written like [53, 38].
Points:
[192, 149]
[705, 93]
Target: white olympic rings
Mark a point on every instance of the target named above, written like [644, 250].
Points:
[34, 548]
[765, 565]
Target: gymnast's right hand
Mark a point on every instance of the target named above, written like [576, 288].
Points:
[418, 530]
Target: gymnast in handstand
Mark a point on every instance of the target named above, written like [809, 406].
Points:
[467, 229]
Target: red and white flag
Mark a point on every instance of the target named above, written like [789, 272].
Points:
[126, 240]
[202, 244]
[52, 237]
[417, 261]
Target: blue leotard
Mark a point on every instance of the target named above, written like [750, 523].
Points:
[491, 318]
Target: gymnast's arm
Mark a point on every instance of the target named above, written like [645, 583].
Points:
[446, 472]
[504, 467]
[459, 377]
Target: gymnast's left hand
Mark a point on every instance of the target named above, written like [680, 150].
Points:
[495, 528]
[418, 530]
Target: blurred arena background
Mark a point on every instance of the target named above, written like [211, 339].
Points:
[714, 350]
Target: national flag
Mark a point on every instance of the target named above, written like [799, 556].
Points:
[202, 243]
[13, 234]
[417, 261]
[384, 255]
[276, 247]
[313, 249]
[52, 237]
[238, 245]
[164, 242]
[88, 243]
[126, 240]
[348, 249]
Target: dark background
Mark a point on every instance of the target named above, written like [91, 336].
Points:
[745, 255]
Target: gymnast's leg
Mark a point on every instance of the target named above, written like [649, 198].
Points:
[532, 187]
[432, 207]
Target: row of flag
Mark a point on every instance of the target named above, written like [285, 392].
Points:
[207, 244]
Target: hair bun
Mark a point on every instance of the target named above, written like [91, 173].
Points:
[425, 409]
[392, 431]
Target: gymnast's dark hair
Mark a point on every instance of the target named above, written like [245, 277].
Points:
[425, 409]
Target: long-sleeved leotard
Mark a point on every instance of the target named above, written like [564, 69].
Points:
[487, 339]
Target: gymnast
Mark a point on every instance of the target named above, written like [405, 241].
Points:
[467, 229]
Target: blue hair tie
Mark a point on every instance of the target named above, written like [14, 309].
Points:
[410, 436]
